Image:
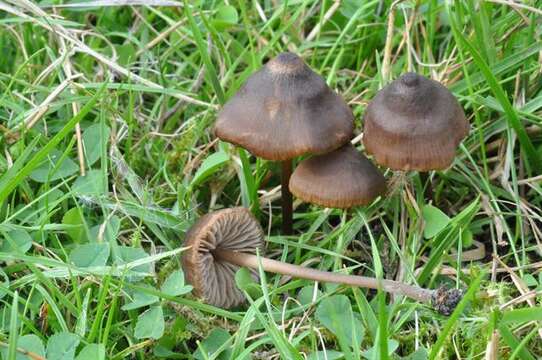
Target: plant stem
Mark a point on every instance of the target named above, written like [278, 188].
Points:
[287, 208]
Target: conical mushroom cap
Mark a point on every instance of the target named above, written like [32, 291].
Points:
[340, 179]
[285, 110]
[414, 123]
[230, 229]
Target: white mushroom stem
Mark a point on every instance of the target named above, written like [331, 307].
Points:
[278, 267]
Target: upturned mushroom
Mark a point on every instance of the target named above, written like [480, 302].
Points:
[414, 123]
[283, 111]
[341, 179]
[221, 242]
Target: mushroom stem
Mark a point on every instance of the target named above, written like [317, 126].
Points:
[287, 208]
[443, 300]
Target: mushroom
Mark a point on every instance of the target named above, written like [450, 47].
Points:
[414, 123]
[341, 179]
[283, 111]
[221, 242]
[215, 233]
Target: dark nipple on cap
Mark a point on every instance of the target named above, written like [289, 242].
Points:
[286, 63]
[410, 79]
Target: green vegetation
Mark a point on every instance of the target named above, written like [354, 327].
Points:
[90, 265]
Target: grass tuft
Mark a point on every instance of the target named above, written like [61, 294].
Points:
[107, 157]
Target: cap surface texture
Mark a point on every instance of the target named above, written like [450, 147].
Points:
[414, 123]
[285, 110]
[340, 179]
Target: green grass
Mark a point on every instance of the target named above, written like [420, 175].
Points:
[90, 265]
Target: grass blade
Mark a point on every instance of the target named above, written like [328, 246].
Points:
[210, 72]
[12, 349]
[511, 113]
[14, 179]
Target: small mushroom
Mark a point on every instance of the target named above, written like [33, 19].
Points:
[283, 111]
[414, 123]
[221, 242]
[341, 179]
[224, 230]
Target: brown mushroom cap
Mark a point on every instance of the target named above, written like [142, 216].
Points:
[230, 229]
[285, 110]
[340, 179]
[414, 123]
